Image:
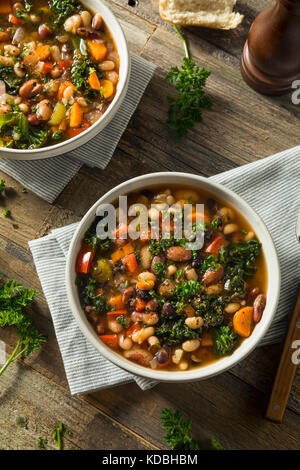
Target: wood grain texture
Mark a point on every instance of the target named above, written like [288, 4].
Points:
[242, 127]
[287, 368]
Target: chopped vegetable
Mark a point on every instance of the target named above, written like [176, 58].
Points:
[130, 262]
[107, 88]
[97, 50]
[94, 81]
[121, 252]
[58, 115]
[63, 9]
[43, 52]
[110, 340]
[84, 261]
[116, 302]
[242, 321]
[215, 245]
[225, 340]
[76, 115]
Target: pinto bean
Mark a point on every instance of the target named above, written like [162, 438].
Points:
[150, 318]
[97, 21]
[34, 120]
[30, 89]
[167, 288]
[141, 356]
[128, 293]
[89, 33]
[194, 322]
[212, 276]
[168, 309]
[44, 110]
[252, 296]
[44, 31]
[259, 306]
[179, 253]
[136, 316]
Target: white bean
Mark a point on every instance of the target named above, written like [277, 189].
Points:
[191, 345]
[230, 228]
[191, 274]
[145, 257]
[86, 18]
[72, 23]
[183, 365]
[106, 65]
[177, 355]
[232, 307]
[171, 270]
[227, 214]
[249, 236]
[194, 322]
[125, 343]
[214, 289]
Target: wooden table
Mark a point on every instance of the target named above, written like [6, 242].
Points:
[241, 127]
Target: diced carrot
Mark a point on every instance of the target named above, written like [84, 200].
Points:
[98, 50]
[130, 262]
[78, 130]
[145, 285]
[76, 115]
[116, 301]
[54, 129]
[63, 125]
[215, 245]
[140, 305]
[110, 340]
[242, 321]
[107, 88]
[62, 88]
[15, 20]
[94, 81]
[121, 252]
[116, 313]
[43, 52]
[206, 339]
[47, 67]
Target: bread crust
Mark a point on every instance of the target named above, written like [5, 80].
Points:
[232, 21]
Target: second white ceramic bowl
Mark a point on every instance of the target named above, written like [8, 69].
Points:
[124, 73]
[220, 192]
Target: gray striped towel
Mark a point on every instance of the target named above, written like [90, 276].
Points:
[47, 178]
[270, 186]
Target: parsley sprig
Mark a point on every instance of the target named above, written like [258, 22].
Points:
[186, 108]
[178, 432]
[13, 299]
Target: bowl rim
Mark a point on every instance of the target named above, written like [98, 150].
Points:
[198, 373]
[104, 120]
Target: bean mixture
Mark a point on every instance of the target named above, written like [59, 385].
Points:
[59, 70]
[162, 305]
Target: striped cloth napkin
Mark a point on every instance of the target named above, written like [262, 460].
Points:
[48, 177]
[270, 186]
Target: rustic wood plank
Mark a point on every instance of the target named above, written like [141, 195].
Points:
[29, 398]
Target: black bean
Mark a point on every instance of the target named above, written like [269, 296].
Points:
[163, 355]
[143, 294]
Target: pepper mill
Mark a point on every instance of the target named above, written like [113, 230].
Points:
[271, 57]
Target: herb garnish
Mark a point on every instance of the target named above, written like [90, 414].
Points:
[13, 299]
[186, 108]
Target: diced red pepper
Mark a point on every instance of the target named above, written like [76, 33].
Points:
[73, 131]
[15, 20]
[110, 340]
[215, 245]
[116, 313]
[84, 261]
[130, 262]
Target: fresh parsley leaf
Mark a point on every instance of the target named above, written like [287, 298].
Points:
[178, 431]
[186, 108]
[6, 212]
[225, 340]
[2, 186]
[13, 299]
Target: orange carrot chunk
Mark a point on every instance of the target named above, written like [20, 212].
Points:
[107, 88]
[76, 115]
[116, 301]
[97, 50]
[242, 321]
[110, 340]
[43, 52]
[94, 81]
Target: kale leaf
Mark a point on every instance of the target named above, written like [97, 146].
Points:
[174, 331]
[87, 287]
[81, 69]
[63, 9]
[11, 81]
[211, 308]
[225, 340]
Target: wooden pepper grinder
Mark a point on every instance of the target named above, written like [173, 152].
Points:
[271, 57]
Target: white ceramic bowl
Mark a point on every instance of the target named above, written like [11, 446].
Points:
[224, 194]
[124, 73]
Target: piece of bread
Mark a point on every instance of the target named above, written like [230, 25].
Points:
[216, 14]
